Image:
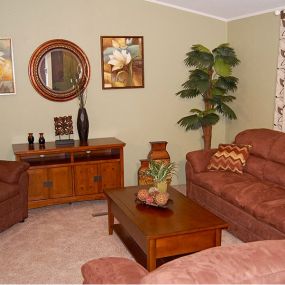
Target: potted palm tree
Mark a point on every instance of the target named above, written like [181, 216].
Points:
[210, 77]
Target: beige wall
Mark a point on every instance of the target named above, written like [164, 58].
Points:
[134, 116]
[255, 40]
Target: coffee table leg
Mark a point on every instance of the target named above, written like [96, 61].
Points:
[110, 218]
[218, 237]
[151, 255]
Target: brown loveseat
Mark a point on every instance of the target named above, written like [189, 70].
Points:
[255, 262]
[252, 203]
[13, 193]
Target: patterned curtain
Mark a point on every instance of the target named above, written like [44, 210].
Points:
[279, 115]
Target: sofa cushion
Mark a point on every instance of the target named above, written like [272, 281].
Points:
[253, 262]
[214, 181]
[255, 166]
[8, 191]
[260, 139]
[272, 212]
[112, 270]
[275, 172]
[277, 153]
[229, 157]
[265, 201]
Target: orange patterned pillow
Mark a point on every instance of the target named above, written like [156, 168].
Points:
[230, 157]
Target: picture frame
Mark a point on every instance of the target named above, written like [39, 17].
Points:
[122, 61]
[7, 73]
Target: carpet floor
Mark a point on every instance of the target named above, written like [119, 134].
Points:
[53, 243]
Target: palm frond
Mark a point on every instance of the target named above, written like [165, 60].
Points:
[210, 119]
[188, 93]
[200, 57]
[218, 99]
[228, 83]
[227, 54]
[201, 118]
[199, 80]
[222, 68]
[192, 122]
[226, 111]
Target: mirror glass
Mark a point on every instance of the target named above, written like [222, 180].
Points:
[56, 67]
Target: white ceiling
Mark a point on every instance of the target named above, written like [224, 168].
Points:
[225, 10]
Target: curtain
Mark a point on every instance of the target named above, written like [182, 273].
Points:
[279, 115]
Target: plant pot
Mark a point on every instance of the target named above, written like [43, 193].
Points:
[162, 186]
[82, 125]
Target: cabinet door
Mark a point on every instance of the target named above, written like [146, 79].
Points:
[38, 184]
[61, 182]
[111, 175]
[86, 179]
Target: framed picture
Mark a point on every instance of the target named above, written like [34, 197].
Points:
[122, 62]
[7, 76]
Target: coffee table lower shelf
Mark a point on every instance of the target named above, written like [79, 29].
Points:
[135, 250]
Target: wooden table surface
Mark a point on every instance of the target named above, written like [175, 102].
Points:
[183, 227]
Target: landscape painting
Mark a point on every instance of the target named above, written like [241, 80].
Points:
[122, 62]
[7, 77]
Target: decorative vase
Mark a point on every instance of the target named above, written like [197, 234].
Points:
[82, 125]
[31, 138]
[143, 179]
[158, 151]
[41, 138]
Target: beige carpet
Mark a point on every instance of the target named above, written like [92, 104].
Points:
[53, 243]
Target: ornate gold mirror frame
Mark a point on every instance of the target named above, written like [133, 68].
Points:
[59, 69]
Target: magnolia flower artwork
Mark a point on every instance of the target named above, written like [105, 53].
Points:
[122, 62]
[7, 78]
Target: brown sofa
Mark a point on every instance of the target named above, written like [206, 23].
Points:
[252, 203]
[13, 193]
[255, 262]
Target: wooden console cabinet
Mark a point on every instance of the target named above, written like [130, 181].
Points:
[62, 174]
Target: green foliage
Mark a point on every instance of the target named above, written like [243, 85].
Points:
[199, 119]
[160, 171]
[209, 76]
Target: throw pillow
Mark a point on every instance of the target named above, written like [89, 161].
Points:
[230, 157]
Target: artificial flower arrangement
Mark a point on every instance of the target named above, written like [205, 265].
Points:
[161, 172]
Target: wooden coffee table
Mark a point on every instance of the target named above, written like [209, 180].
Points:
[152, 233]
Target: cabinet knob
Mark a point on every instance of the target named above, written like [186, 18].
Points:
[47, 184]
[97, 178]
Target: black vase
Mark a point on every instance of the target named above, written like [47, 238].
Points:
[82, 125]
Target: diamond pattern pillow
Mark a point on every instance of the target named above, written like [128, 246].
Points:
[230, 157]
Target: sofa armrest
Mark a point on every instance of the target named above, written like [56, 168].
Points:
[199, 159]
[10, 171]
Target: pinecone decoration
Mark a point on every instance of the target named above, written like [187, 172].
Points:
[161, 198]
[142, 194]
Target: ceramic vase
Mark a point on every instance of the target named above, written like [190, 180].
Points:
[143, 179]
[158, 151]
[31, 138]
[41, 139]
[82, 125]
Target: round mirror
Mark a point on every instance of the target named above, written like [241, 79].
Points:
[59, 70]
